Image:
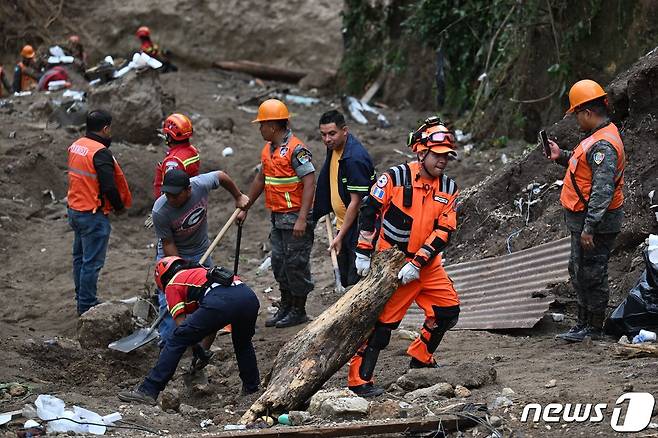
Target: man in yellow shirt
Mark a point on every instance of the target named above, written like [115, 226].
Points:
[345, 179]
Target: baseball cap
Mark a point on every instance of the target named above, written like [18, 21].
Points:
[175, 181]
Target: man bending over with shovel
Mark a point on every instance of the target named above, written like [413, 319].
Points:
[201, 301]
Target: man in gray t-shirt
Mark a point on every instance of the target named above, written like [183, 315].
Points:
[181, 224]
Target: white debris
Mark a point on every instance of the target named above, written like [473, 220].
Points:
[50, 407]
[227, 152]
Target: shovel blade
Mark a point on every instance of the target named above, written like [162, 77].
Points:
[132, 342]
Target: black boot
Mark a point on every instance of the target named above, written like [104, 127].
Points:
[581, 323]
[297, 314]
[415, 363]
[366, 390]
[284, 307]
[593, 330]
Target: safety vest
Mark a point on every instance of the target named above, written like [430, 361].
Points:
[413, 214]
[27, 82]
[577, 183]
[283, 188]
[84, 188]
[184, 157]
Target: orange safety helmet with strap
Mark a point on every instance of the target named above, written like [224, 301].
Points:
[272, 109]
[283, 188]
[577, 184]
[178, 126]
[165, 270]
[143, 31]
[84, 189]
[434, 136]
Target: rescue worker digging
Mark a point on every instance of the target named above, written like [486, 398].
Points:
[411, 207]
[150, 48]
[288, 177]
[26, 74]
[201, 301]
[593, 199]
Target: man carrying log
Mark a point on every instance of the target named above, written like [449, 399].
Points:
[411, 207]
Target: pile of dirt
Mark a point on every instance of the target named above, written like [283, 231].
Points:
[488, 210]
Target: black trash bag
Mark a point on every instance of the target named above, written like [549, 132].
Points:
[640, 309]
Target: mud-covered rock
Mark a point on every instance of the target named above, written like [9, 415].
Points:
[434, 392]
[137, 104]
[469, 375]
[345, 408]
[385, 409]
[321, 396]
[170, 400]
[103, 324]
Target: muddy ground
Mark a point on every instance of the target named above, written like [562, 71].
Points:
[38, 323]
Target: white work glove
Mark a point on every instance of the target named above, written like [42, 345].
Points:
[362, 263]
[409, 273]
[148, 223]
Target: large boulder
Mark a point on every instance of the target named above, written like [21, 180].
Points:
[103, 324]
[137, 103]
[469, 375]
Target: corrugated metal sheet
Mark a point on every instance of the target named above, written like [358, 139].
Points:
[497, 293]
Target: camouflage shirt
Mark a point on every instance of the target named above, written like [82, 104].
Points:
[596, 218]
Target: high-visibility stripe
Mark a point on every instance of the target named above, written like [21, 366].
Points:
[288, 201]
[177, 308]
[191, 160]
[358, 188]
[279, 181]
[82, 173]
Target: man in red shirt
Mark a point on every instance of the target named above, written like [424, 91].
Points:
[201, 301]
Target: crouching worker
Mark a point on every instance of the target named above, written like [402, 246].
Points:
[201, 301]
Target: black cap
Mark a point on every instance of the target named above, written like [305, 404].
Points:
[175, 181]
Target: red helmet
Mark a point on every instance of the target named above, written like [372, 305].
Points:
[165, 270]
[143, 31]
[433, 135]
[74, 39]
[178, 127]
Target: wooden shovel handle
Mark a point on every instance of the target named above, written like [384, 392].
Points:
[221, 233]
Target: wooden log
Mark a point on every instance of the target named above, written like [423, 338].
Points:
[316, 352]
[445, 423]
[262, 71]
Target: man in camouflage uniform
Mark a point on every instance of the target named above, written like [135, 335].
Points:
[593, 199]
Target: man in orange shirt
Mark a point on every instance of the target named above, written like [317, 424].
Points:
[411, 207]
[97, 187]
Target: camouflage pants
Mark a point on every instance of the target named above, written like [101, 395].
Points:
[589, 271]
[291, 260]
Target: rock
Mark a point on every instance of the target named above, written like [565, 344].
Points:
[189, 410]
[223, 124]
[297, 418]
[103, 324]
[433, 392]
[170, 400]
[507, 392]
[395, 389]
[628, 387]
[462, 391]
[385, 409]
[319, 398]
[345, 408]
[41, 107]
[500, 402]
[495, 421]
[470, 375]
[408, 335]
[17, 390]
[551, 383]
[137, 104]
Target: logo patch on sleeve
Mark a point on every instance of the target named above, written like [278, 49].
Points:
[598, 157]
[378, 193]
[382, 181]
[304, 156]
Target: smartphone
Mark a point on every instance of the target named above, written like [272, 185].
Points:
[544, 141]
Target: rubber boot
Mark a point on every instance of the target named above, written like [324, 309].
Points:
[284, 307]
[581, 323]
[297, 314]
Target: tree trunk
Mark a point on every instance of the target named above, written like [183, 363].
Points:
[262, 71]
[310, 358]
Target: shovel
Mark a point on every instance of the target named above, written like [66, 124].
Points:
[145, 335]
[334, 258]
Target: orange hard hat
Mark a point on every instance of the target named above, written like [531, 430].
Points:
[432, 135]
[165, 270]
[28, 52]
[143, 31]
[584, 91]
[272, 109]
[74, 39]
[178, 127]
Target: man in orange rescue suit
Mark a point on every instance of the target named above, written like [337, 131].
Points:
[177, 129]
[150, 48]
[592, 199]
[26, 74]
[97, 186]
[288, 177]
[413, 205]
